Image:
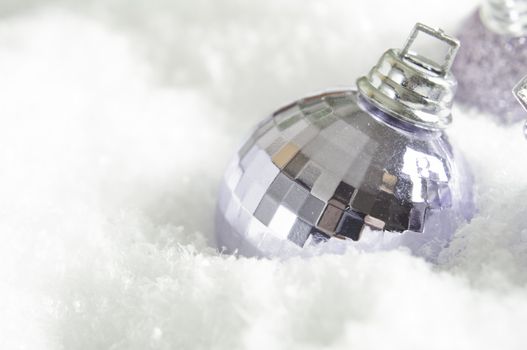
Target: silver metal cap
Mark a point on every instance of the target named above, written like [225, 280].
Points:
[412, 87]
[520, 92]
[506, 17]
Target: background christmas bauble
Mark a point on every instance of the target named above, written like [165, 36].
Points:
[492, 58]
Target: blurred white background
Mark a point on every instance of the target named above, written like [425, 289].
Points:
[116, 120]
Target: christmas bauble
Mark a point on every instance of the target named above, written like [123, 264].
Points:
[370, 168]
[492, 58]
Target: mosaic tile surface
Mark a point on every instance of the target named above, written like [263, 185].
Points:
[323, 169]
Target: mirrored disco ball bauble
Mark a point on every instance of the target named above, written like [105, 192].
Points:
[370, 168]
[492, 58]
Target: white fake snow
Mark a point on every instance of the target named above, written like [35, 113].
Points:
[116, 121]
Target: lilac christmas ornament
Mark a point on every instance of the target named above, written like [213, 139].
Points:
[492, 57]
[370, 168]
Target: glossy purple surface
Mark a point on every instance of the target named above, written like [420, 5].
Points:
[487, 67]
[331, 171]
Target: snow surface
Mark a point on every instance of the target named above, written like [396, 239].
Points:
[116, 121]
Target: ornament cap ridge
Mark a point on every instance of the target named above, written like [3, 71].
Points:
[505, 17]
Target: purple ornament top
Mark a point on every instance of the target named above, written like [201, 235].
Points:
[488, 65]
